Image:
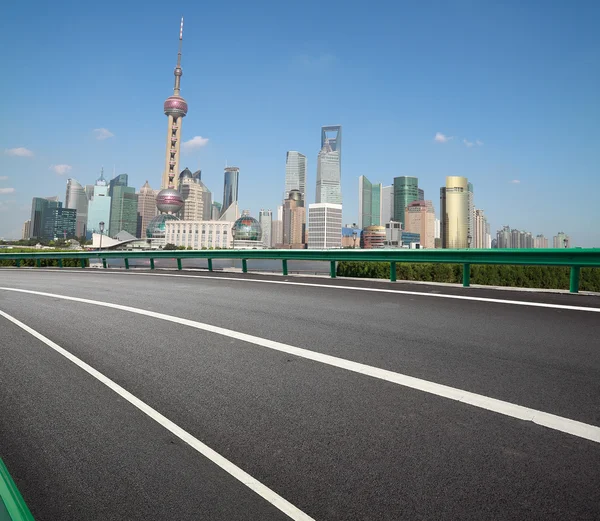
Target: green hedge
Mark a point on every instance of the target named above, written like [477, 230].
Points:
[45, 263]
[551, 277]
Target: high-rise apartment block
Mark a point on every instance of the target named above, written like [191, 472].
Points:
[123, 208]
[369, 202]
[540, 241]
[324, 225]
[99, 207]
[295, 173]
[192, 195]
[26, 229]
[329, 170]
[387, 204]
[454, 210]
[561, 240]
[470, 216]
[420, 218]
[265, 219]
[76, 199]
[406, 190]
[481, 236]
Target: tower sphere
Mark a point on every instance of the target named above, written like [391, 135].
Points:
[175, 106]
[169, 200]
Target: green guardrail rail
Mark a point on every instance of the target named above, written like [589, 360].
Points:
[574, 258]
[12, 506]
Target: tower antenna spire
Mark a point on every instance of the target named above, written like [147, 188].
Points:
[178, 72]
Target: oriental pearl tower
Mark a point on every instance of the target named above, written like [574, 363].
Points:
[169, 200]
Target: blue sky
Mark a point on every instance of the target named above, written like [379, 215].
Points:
[261, 78]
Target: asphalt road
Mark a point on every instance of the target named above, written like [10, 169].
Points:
[336, 444]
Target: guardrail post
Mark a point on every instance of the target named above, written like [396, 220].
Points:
[104, 263]
[126, 263]
[60, 263]
[18, 263]
[209, 264]
[151, 263]
[332, 269]
[466, 275]
[284, 267]
[244, 265]
[82, 262]
[38, 263]
[574, 282]
[393, 271]
[179, 264]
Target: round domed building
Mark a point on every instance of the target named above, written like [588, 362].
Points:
[247, 233]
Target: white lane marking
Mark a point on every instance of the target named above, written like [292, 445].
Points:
[262, 490]
[552, 421]
[353, 288]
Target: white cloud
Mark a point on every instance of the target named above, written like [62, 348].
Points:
[3, 178]
[103, 133]
[61, 169]
[479, 143]
[195, 142]
[468, 143]
[515, 181]
[19, 151]
[441, 138]
[7, 191]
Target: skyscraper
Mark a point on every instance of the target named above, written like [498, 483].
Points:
[561, 240]
[329, 169]
[99, 207]
[146, 209]
[206, 197]
[294, 220]
[471, 216]
[49, 220]
[230, 187]
[26, 229]
[406, 190]
[265, 218]
[369, 203]
[387, 204]
[295, 173]
[76, 199]
[421, 194]
[175, 108]
[324, 225]
[454, 210]
[191, 192]
[420, 218]
[480, 230]
[123, 210]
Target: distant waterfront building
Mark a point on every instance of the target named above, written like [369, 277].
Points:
[420, 218]
[99, 208]
[369, 202]
[247, 234]
[436, 228]
[40, 227]
[276, 233]
[454, 210]
[215, 211]
[406, 190]
[123, 208]
[295, 173]
[76, 199]
[230, 187]
[470, 216]
[192, 195]
[513, 238]
[25, 231]
[324, 225]
[396, 237]
[540, 241]
[329, 171]
[561, 240]
[421, 194]
[206, 197]
[504, 238]
[294, 220]
[199, 234]
[480, 235]
[265, 218]
[387, 204]
[373, 237]
[146, 210]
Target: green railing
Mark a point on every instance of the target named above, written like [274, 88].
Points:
[12, 506]
[575, 258]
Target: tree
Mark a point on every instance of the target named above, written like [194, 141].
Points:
[169, 246]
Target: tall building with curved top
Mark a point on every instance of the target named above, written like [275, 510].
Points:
[454, 210]
[175, 108]
[230, 187]
[329, 166]
[76, 199]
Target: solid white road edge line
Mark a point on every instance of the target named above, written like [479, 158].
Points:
[551, 421]
[353, 288]
[262, 490]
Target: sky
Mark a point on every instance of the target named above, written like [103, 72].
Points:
[504, 93]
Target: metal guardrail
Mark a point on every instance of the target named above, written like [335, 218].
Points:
[574, 258]
[12, 506]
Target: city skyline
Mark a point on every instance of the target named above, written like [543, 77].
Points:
[510, 169]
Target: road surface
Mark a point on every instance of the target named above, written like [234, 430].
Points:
[196, 396]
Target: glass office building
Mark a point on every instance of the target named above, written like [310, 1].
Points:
[406, 190]
[454, 210]
[123, 210]
[369, 202]
[230, 186]
[295, 173]
[329, 166]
